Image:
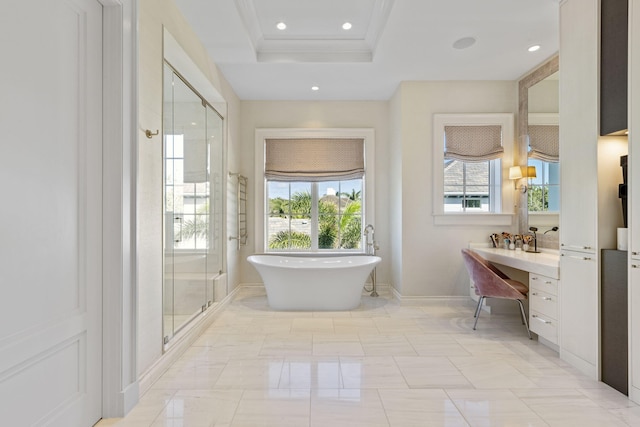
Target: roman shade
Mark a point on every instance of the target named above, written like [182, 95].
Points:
[314, 159]
[473, 143]
[544, 142]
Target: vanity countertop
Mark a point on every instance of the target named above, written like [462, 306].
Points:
[546, 263]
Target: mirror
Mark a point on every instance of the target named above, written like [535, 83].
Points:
[538, 112]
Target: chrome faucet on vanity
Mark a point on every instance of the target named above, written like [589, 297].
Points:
[535, 239]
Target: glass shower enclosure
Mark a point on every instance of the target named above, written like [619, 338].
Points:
[192, 152]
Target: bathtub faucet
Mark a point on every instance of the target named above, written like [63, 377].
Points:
[372, 247]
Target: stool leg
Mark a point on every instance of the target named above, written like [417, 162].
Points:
[478, 310]
[524, 317]
[475, 314]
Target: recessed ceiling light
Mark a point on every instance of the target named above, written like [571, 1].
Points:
[281, 26]
[346, 26]
[464, 43]
[315, 88]
[534, 48]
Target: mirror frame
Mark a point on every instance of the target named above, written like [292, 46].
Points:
[540, 73]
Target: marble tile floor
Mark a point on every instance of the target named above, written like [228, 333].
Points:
[383, 364]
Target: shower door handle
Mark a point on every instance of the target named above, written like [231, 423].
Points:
[178, 219]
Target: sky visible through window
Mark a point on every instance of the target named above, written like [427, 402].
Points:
[281, 189]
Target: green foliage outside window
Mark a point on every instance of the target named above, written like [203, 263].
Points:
[538, 198]
[335, 231]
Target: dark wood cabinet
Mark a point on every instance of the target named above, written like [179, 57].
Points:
[614, 42]
[614, 324]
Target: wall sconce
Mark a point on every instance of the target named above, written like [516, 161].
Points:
[519, 172]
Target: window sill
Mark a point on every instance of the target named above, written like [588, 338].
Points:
[473, 219]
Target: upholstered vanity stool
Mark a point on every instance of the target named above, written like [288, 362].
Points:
[492, 283]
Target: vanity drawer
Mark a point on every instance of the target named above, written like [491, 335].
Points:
[544, 326]
[543, 303]
[543, 283]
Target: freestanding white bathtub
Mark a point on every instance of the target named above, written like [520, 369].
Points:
[301, 283]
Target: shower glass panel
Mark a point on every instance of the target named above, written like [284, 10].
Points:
[214, 258]
[187, 204]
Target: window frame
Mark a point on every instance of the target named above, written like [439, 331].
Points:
[261, 202]
[501, 216]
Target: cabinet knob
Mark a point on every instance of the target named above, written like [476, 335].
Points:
[635, 266]
[534, 278]
[634, 253]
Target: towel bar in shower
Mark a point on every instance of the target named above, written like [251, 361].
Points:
[241, 195]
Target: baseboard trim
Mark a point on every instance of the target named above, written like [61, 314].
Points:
[130, 396]
[582, 365]
[182, 342]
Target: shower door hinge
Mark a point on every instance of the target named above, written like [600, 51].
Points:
[165, 340]
[204, 307]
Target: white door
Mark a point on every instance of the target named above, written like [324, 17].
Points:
[50, 212]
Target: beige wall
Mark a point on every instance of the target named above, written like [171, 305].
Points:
[299, 114]
[153, 15]
[429, 261]
[544, 97]
[395, 184]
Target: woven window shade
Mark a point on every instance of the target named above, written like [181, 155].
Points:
[473, 143]
[314, 159]
[544, 141]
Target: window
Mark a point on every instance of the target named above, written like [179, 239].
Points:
[544, 189]
[325, 215]
[543, 151]
[470, 151]
[186, 200]
[471, 186]
[313, 199]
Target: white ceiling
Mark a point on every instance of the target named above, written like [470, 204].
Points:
[391, 41]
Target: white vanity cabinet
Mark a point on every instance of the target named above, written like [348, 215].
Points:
[590, 172]
[634, 129]
[543, 307]
[634, 200]
[579, 318]
[634, 331]
[578, 124]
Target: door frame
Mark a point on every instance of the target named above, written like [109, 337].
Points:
[120, 390]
